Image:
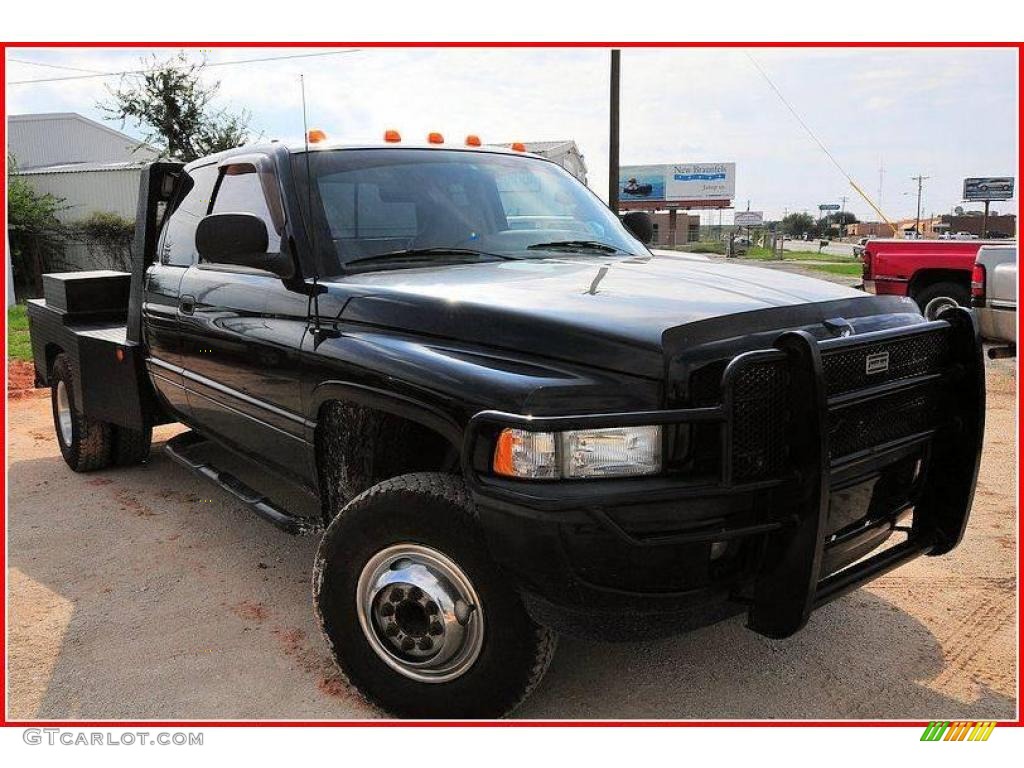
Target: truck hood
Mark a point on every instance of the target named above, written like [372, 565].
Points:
[607, 312]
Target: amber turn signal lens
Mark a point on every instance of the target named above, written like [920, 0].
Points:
[518, 146]
[503, 454]
[392, 136]
[435, 138]
[315, 135]
[473, 140]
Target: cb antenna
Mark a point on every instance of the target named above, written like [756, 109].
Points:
[309, 217]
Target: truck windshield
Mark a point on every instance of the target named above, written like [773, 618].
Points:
[400, 207]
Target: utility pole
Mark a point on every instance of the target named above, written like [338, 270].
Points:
[613, 135]
[842, 217]
[917, 223]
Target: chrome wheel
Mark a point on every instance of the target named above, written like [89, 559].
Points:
[420, 613]
[64, 413]
[935, 307]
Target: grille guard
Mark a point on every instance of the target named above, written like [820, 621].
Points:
[791, 582]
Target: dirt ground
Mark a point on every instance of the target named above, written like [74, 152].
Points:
[147, 593]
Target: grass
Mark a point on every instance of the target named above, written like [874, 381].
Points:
[19, 346]
[757, 252]
[852, 270]
[704, 247]
[815, 256]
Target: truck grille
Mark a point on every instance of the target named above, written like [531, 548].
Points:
[761, 406]
[858, 427]
[846, 369]
[760, 414]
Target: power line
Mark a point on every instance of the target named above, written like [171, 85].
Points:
[55, 66]
[209, 64]
[819, 142]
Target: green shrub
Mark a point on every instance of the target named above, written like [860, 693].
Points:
[108, 238]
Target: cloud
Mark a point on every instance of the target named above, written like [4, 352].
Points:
[946, 113]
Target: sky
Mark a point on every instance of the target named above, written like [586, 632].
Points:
[942, 113]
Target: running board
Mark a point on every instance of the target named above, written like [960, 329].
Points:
[177, 448]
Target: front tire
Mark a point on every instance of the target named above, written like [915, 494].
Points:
[935, 298]
[418, 617]
[84, 443]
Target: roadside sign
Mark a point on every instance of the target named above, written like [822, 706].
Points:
[748, 218]
[681, 181]
[828, 207]
[989, 188]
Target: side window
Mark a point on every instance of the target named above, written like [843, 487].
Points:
[178, 247]
[243, 189]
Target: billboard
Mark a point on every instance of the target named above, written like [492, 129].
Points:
[828, 207]
[989, 188]
[748, 218]
[677, 182]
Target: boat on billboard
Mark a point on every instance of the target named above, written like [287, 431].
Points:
[679, 181]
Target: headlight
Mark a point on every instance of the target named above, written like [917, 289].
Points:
[580, 453]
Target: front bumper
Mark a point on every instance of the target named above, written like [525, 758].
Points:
[807, 434]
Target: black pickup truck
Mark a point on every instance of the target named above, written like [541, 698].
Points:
[517, 420]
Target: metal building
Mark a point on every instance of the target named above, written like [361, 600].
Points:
[87, 165]
[90, 166]
[564, 152]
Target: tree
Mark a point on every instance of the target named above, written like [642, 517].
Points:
[36, 234]
[169, 101]
[796, 224]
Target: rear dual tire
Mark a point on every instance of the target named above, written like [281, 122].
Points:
[89, 444]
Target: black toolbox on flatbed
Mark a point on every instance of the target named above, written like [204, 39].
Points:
[83, 315]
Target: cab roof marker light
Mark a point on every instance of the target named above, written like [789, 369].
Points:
[435, 138]
[473, 140]
[518, 146]
[392, 136]
[315, 135]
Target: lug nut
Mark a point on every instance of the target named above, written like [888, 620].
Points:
[391, 630]
[387, 609]
[431, 608]
[408, 644]
[397, 595]
[436, 628]
[415, 593]
[425, 644]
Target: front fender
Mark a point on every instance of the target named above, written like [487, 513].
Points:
[442, 385]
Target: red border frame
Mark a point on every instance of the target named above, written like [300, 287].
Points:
[4, 722]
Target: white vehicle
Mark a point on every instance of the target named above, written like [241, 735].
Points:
[964, 236]
[994, 297]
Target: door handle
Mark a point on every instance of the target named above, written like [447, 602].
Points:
[187, 304]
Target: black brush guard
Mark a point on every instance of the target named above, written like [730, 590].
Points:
[846, 413]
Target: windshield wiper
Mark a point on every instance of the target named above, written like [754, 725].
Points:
[575, 245]
[420, 254]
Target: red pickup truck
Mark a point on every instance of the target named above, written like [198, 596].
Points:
[934, 273]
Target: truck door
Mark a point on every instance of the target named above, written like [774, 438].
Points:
[176, 251]
[241, 331]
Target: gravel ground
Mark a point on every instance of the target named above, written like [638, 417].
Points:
[147, 593]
